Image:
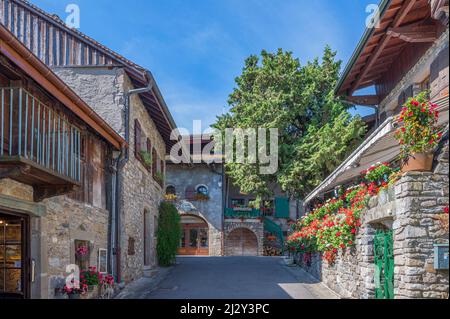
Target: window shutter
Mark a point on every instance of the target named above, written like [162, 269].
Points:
[137, 139]
[403, 98]
[282, 207]
[409, 92]
[149, 146]
[190, 193]
[154, 162]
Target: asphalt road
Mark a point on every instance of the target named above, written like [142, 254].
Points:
[237, 278]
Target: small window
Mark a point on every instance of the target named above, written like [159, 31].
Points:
[170, 190]
[202, 189]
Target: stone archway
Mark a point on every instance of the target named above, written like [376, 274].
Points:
[241, 242]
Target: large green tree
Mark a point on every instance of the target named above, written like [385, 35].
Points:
[316, 132]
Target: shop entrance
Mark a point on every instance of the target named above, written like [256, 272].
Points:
[14, 255]
[194, 241]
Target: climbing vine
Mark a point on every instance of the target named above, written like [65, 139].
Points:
[169, 234]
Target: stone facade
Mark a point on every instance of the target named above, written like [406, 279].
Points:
[409, 209]
[53, 234]
[181, 177]
[104, 90]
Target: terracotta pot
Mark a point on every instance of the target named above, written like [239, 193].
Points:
[419, 162]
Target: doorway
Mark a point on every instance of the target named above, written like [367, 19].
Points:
[384, 264]
[241, 242]
[194, 240]
[14, 256]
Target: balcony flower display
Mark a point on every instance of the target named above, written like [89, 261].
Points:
[418, 133]
[378, 173]
[201, 197]
[170, 197]
[333, 226]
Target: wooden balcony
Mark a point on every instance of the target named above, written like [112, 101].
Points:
[39, 146]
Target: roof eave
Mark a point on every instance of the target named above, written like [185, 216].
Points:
[384, 4]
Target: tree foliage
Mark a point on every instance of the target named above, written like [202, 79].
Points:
[169, 234]
[316, 130]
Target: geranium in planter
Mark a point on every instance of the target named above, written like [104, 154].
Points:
[91, 279]
[418, 133]
[72, 291]
[378, 173]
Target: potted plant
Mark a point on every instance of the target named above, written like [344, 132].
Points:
[378, 174]
[418, 133]
[107, 287]
[201, 197]
[91, 279]
[82, 253]
[72, 292]
[170, 197]
[146, 159]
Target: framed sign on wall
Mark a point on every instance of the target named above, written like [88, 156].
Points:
[102, 261]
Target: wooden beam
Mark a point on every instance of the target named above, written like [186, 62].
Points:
[365, 100]
[415, 32]
[403, 12]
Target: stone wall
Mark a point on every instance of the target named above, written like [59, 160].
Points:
[103, 89]
[254, 225]
[181, 177]
[140, 195]
[65, 222]
[409, 209]
[54, 233]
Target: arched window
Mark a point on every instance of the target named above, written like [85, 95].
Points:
[202, 189]
[170, 190]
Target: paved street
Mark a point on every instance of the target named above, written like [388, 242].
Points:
[233, 278]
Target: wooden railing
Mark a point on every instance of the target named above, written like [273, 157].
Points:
[35, 133]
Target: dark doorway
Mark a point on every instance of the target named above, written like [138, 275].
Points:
[14, 256]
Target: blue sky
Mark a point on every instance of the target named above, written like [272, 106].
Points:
[196, 48]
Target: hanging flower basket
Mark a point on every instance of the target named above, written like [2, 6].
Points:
[82, 253]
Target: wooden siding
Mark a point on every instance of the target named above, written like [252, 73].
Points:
[49, 42]
[408, 57]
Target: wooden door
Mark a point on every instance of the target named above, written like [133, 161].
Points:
[241, 242]
[194, 241]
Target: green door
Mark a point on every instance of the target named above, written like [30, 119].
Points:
[384, 265]
[282, 207]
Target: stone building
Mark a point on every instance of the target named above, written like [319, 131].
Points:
[407, 54]
[217, 218]
[55, 186]
[127, 97]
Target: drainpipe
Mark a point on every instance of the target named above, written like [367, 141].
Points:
[120, 164]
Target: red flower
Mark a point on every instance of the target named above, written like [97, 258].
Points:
[342, 246]
[446, 210]
[350, 242]
[338, 234]
[353, 231]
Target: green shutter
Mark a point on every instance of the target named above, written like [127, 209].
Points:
[282, 207]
